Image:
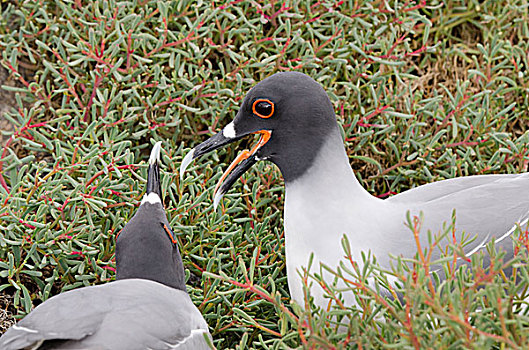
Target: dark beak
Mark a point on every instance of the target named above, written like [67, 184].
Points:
[239, 166]
[153, 174]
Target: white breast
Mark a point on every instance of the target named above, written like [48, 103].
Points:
[322, 206]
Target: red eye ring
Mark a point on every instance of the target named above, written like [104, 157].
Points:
[256, 107]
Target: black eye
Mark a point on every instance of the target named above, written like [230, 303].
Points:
[263, 108]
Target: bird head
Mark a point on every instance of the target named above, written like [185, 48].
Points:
[146, 248]
[293, 116]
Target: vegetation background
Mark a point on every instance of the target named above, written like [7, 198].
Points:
[424, 91]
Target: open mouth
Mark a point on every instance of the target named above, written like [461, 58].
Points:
[239, 166]
[265, 136]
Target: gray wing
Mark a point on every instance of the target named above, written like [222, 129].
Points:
[71, 315]
[436, 190]
[125, 314]
[486, 207]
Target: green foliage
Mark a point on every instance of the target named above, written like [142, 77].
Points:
[424, 91]
[475, 307]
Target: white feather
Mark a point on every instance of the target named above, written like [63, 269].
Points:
[20, 328]
[194, 333]
[155, 153]
[151, 198]
[229, 131]
[185, 162]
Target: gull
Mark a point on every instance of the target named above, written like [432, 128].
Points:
[324, 200]
[147, 307]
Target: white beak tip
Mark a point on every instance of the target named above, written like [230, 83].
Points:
[185, 163]
[155, 153]
[216, 199]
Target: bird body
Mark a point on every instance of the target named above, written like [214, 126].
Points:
[147, 307]
[486, 206]
[325, 201]
[124, 314]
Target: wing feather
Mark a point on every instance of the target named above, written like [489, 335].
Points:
[486, 207]
[131, 314]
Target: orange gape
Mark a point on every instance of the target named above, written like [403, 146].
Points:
[169, 234]
[265, 136]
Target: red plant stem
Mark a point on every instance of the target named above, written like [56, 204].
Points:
[164, 45]
[101, 172]
[377, 111]
[71, 89]
[409, 327]
[471, 329]
[451, 113]
[425, 262]
[77, 253]
[98, 80]
[386, 194]
[229, 4]
[26, 224]
[197, 267]
[416, 52]
[398, 41]
[227, 326]
[129, 50]
[361, 285]
[4, 152]
[56, 54]
[21, 79]
[250, 287]
[328, 41]
[169, 101]
[23, 130]
[416, 7]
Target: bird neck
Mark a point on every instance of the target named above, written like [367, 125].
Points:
[147, 249]
[330, 175]
[323, 205]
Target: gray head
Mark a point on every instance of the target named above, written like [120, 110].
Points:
[146, 247]
[294, 116]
